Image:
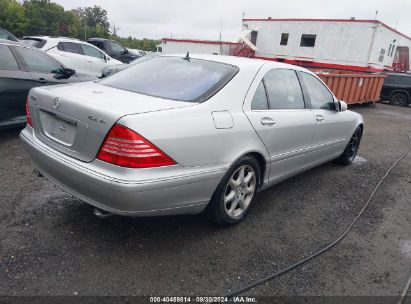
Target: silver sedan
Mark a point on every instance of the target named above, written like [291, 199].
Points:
[187, 134]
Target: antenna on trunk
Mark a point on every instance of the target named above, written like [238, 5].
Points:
[187, 57]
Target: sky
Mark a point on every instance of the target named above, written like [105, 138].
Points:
[202, 19]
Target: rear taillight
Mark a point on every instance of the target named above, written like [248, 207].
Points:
[126, 148]
[29, 122]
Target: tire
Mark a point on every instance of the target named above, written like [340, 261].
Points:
[352, 148]
[234, 195]
[399, 99]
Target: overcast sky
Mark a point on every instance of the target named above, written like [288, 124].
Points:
[200, 19]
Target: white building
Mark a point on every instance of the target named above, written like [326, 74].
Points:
[172, 46]
[358, 45]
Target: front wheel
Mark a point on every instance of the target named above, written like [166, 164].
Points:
[352, 148]
[235, 193]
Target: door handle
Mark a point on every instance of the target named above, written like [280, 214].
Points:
[42, 81]
[319, 117]
[267, 121]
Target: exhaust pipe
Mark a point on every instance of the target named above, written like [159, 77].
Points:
[37, 173]
[101, 214]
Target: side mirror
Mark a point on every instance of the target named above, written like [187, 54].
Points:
[342, 106]
[63, 73]
[125, 52]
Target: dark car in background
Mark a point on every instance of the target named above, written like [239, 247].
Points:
[113, 49]
[5, 35]
[397, 89]
[22, 68]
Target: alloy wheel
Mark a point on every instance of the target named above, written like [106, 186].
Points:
[354, 144]
[240, 191]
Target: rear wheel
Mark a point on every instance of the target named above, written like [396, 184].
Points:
[352, 148]
[235, 193]
[399, 99]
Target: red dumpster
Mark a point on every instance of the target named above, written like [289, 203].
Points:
[354, 87]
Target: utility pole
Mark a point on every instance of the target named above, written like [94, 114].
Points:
[221, 37]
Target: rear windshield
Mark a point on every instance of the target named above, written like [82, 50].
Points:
[175, 78]
[38, 43]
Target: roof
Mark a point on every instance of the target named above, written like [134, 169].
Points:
[199, 41]
[239, 61]
[51, 37]
[101, 39]
[4, 41]
[330, 20]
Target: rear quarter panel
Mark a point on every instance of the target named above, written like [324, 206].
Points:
[189, 135]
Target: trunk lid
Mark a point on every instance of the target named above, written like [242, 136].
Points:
[75, 118]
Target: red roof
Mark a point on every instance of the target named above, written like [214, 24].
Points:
[198, 41]
[330, 20]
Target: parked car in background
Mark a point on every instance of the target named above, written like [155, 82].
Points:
[114, 49]
[397, 89]
[187, 134]
[22, 68]
[73, 53]
[137, 52]
[113, 69]
[5, 35]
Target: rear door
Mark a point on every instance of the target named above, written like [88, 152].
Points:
[15, 84]
[42, 67]
[331, 127]
[278, 112]
[72, 56]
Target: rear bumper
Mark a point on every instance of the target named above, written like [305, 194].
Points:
[178, 191]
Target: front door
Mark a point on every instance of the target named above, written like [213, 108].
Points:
[330, 129]
[282, 120]
[14, 87]
[95, 59]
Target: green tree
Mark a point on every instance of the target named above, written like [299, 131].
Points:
[12, 17]
[43, 17]
[95, 21]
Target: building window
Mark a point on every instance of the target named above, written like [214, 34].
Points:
[284, 39]
[308, 40]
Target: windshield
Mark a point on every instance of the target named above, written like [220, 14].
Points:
[175, 78]
[7, 36]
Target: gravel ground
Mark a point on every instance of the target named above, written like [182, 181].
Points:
[51, 244]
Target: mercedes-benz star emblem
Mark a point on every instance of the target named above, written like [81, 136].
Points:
[56, 103]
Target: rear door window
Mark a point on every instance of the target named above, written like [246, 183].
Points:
[98, 44]
[260, 101]
[70, 47]
[283, 89]
[7, 60]
[175, 78]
